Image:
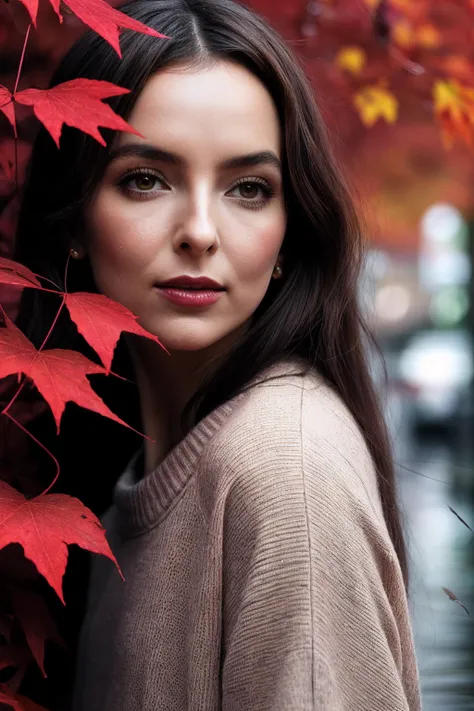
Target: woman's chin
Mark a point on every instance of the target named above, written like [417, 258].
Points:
[187, 342]
[194, 336]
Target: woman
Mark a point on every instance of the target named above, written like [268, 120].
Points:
[258, 532]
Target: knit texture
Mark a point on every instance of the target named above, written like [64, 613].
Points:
[260, 575]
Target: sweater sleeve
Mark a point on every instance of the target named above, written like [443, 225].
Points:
[314, 614]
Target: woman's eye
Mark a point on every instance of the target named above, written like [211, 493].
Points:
[253, 191]
[141, 182]
[249, 190]
[144, 182]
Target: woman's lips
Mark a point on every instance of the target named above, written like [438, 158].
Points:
[190, 297]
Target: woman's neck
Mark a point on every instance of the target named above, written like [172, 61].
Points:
[165, 384]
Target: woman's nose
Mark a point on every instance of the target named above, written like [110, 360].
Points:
[198, 232]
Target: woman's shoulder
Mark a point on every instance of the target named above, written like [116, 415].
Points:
[286, 409]
[295, 427]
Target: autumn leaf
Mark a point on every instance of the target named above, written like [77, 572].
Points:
[36, 622]
[7, 174]
[16, 274]
[454, 108]
[76, 103]
[428, 36]
[59, 374]
[45, 526]
[99, 16]
[453, 597]
[376, 102]
[13, 656]
[6, 105]
[351, 59]
[17, 701]
[101, 321]
[407, 36]
[7, 698]
[14, 155]
[416, 11]
[106, 20]
[456, 67]
[28, 704]
[403, 34]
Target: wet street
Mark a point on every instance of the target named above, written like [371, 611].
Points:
[434, 475]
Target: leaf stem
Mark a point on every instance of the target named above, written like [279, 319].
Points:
[65, 272]
[39, 288]
[20, 66]
[56, 463]
[5, 409]
[15, 138]
[63, 301]
[17, 81]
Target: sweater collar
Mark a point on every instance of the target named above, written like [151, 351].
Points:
[144, 502]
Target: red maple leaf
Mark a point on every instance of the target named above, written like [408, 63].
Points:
[13, 656]
[9, 700]
[16, 274]
[100, 16]
[76, 103]
[101, 321]
[36, 622]
[59, 375]
[106, 20]
[28, 704]
[18, 658]
[6, 105]
[45, 526]
[14, 155]
[17, 701]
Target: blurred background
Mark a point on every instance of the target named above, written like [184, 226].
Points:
[395, 81]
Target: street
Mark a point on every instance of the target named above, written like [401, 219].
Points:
[434, 475]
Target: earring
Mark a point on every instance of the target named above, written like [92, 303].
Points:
[75, 253]
[277, 272]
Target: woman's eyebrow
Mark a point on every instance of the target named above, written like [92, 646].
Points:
[143, 150]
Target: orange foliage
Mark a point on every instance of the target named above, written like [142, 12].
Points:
[392, 73]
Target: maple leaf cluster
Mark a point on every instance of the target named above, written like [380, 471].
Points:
[45, 525]
[387, 58]
[393, 81]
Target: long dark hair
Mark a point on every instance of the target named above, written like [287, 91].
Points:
[314, 311]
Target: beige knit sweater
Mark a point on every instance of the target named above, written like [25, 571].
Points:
[260, 575]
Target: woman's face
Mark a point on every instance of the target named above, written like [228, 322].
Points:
[192, 197]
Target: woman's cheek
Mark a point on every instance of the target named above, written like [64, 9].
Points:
[261, 253]
[120, 240]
